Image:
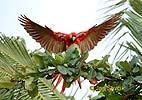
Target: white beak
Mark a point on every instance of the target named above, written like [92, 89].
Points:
[73, 38]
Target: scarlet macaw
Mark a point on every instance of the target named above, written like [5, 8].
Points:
[58, 42]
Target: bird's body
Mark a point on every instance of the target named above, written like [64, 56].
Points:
[58, 42]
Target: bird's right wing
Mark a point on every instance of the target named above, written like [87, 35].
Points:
[91, 37]
[46, 37]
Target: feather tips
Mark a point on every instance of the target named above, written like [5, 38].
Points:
[46, 37]
[55, 42]
[90, 38]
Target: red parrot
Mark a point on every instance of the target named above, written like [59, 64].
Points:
[58, 42]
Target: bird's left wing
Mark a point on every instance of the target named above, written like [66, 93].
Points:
[90, 38]
[52, 41]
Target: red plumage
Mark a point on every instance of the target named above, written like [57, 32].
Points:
[59, 42]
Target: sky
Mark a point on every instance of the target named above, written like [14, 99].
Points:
[60, 15]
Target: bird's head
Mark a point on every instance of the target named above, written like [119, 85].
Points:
[73, 36]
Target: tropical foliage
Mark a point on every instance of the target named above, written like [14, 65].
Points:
[22, 73]
[125, 82]
[27, 75]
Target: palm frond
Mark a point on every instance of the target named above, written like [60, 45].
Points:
[15, 48]
[20, 93]
[46, 92]
[134, 24]
[118, 6]
[17, 74]
[6, 65]
[136, 5]
[6, 94]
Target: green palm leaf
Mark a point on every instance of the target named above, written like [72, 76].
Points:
[136, 5]
[15, 48]
[6, 65]
[6, 94]
[18, 79]
[46, 92]
[134, 24]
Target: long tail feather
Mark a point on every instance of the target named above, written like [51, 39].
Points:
[59, 80]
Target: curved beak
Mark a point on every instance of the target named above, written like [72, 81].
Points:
[73, 38]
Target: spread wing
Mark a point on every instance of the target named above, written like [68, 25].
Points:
[48, 39]
[90, 38]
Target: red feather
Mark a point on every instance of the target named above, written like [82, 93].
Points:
[52, 41]
[91, 37]
[59, 42]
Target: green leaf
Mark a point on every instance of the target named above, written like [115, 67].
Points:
[72, 55]
[59, 59]
[6, 84]
[38, 60]
[84, 56]
[136, 69]
[136, 5]
[99, 76]
[138, 78]
[62, 69]
[128, 84]
[114, 96]
[124, 65]
[30, 84]
[34, 92]
[72, 48]
[134, 61]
